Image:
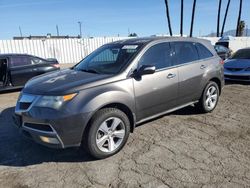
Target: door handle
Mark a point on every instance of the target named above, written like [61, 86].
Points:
[203, 66]
[171, 75]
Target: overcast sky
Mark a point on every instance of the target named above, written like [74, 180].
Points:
[111, 17]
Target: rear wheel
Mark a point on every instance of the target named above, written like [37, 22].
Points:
[209, 98]
[108, 132]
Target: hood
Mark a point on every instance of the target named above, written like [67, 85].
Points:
[237, 63]
[62, 82]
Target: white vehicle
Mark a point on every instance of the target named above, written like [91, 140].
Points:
[234, 43]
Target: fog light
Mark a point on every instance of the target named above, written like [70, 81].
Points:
[49, 140]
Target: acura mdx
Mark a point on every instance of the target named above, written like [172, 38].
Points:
[98, 102]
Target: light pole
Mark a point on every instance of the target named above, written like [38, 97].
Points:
[80, 27]
[20, 31]
[57, 30]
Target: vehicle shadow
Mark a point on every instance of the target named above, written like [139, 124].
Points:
[4, 91]
[189, 110]
[236, 83]
[18, 151]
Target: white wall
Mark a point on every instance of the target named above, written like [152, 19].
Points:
[212, 39]
[64, 50]
[235, 43]
[73, 50]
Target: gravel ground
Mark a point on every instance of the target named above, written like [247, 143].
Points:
[183, 149]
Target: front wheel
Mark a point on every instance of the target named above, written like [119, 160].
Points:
[209, 98]
[108, 133]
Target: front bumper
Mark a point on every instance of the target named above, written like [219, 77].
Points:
[237, 78]
[47, 137]
[237, 75]
[49, 127]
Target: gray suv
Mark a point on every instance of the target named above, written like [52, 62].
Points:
[99, 101]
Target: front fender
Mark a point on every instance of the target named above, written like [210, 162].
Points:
[92, 99]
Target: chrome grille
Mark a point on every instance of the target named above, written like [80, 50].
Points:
[234, 69]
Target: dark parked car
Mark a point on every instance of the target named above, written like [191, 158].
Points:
[17, 69]
[237, 67]
[222, 51]
[99, 101]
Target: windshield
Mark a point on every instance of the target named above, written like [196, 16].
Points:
[241, 54]
[108, 59]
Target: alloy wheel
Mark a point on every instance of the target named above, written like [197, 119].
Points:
[211, 97]
[110, 134]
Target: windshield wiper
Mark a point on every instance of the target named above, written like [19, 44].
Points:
[90, 71]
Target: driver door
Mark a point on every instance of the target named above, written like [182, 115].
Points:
[156, 93]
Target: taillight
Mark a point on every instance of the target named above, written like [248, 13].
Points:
[222, 62]
[56, 65]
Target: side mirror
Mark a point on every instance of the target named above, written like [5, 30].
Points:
[146, 69]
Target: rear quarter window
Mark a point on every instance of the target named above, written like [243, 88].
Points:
[203, 52]
[20, 61]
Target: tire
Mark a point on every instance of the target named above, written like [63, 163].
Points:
[108, 132]
[209, 98]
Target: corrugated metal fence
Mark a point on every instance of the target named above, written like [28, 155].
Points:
[64, 50]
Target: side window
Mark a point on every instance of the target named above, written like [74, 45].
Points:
[158, 55]
[35, 61]
[20, 61]
[185, 52]
[203, 51]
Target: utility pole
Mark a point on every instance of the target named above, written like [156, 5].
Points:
[128, 31]
[57, 30]
[80, 28]
[20, 31]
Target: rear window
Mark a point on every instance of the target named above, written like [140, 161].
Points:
[185, 52]
[225, 44]
[35, 61]
[203, 51]
[20, 61]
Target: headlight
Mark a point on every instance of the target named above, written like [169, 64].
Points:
[54, 102]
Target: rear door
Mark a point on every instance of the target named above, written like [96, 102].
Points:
[21, 70]
[191, 67]
[156, 92]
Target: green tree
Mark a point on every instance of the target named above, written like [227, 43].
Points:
[225, 18]
[218, 19]
[192, 19]
[239, 21]
[241, 28]
[133, 35]
[168, 17]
